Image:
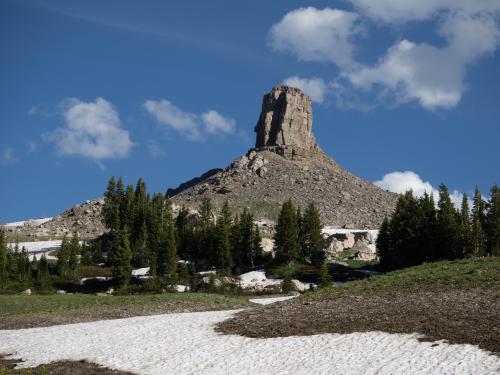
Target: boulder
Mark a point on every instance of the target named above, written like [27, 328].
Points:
[26, 292]
[298, 286]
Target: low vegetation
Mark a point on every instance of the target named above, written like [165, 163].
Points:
[43, 310]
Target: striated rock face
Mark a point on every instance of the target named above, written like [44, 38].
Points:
[285, 123]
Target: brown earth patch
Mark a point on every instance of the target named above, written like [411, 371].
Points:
[58, 368]
[457, 316]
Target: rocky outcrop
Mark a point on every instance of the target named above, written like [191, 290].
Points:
[285, 123]
[85, 219]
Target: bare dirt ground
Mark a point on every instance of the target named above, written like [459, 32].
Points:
[59, 368]
[457, 316]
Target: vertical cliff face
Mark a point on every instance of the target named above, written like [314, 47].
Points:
[285, 122]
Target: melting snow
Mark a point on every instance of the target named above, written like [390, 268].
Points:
[187, 344]
[35, 249]
[31, 222]
[268, 301]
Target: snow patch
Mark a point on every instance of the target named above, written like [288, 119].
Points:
[257, 279]
[187, 344]
[30, 222]
[268, 301]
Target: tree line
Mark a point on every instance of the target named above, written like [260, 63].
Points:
[418, 231]
[144, 233]
[16, 268]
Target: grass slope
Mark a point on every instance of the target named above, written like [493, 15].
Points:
[17, 311]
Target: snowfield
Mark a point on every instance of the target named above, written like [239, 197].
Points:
[30, 222]
[35, 249]
[187, 344]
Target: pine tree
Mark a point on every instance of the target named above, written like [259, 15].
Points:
[384, 245]
[324, 277]
[167, 256]
[465, 229]
[447, 240]
[426, 238]
[492, 222]
[86, 255]
[245, 247]
[74, 251]
[63, 257]
[43, 270]
[4, 260]
[312, 241]
[286, 238]
[110, 208]
[477, 235]
[184, 235]
[222, 241]
[120, 257]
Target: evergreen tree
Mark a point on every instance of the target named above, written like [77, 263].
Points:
[184, 232]
[405, 229]
[167, 256]
[383, 245]
[63, 257]
[24, 270]
[110, 209]
[222, 241]
[43, 270]
[426, 237]
[74, 251]
[465, 229]
[477, 233]
[205, 253]
[324, 277]
[245, 247]
[492, 222]
[447, 241]
[286, 238]
[120, 257]
[312, 241]
[286, 284]
[86, 255]
[4, 260]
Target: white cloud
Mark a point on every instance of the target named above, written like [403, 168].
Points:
[397, 11]
[408, 71]
[434, 76]
[317, 35]
[92, 130]
[174, 118]
[190, 125]
[215, 123]
[316, 88]
[7, 156]
[155, 150]
[401, 182]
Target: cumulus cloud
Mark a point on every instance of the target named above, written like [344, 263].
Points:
[316, 88]
[433, 75]
[215, 123]
[193, 126]
[401, 182]
[317, 35]
[92, 130]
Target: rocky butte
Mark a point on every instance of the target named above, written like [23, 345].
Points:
[288, 163]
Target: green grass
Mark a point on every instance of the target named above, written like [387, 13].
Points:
[443, 275]
[35, 305]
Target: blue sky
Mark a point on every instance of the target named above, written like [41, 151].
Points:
[405, 94]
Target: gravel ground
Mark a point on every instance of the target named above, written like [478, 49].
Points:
[457, 316]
